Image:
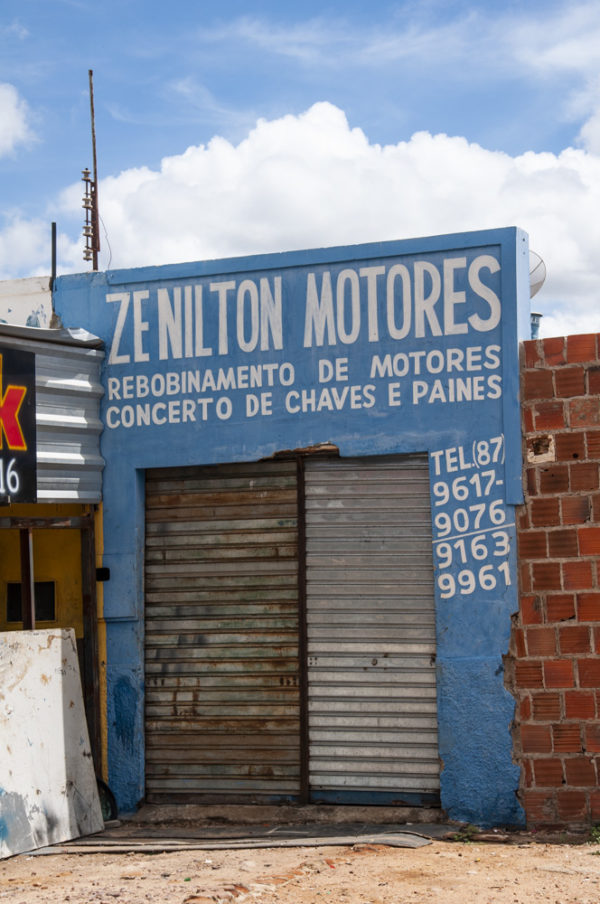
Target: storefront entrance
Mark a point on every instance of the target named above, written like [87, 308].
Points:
[290, 632]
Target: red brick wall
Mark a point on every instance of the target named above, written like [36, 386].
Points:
[556, 638]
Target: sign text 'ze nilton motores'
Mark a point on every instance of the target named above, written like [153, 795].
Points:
[284, 329]
[17, 426]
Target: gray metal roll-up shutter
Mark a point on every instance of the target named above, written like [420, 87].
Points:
[68, 393]
[222, 683]
[371, 629]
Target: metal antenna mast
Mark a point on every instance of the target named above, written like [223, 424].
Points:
[91, 230]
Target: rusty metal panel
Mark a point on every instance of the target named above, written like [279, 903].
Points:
[371, 626]
[221, 644]
[68, 393]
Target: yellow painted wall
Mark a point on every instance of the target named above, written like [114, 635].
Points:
[99, 537]
[56, 557]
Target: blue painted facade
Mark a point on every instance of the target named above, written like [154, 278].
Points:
[398, 347]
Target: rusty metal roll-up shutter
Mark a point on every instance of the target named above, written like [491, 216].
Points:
[371, 630]
[221, 644]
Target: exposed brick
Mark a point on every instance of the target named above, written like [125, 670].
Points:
[536, 738]
[529, 674]
[550, 416]
[580, 771]
[545, 512]
[546, 707]
[532, 610]
[575, 509]
[580, 705]
[584, 476]
[527, 773]
[554, 479]
[540, 808]
[589, 672]
[537, 384]
[569, 382]
[523, 518]
[531, 481]
[560, 606]
[572, 805]
[541, 641]
[546, 576]
[595, 805]
[533, 353]
[583, 412]
[570, 446]
[589, 541]
[596, 641]
[558, 673]
[532, 544]
[519, 641]
[563, 543]
[527, 420]
[581, 347]
[574, 639]
[592, 438]
[525, 577]
[548, 773]
[592, 737]
[554, 351]
[588, 606]
[593, 380]
[525, 709]
[577, 575]
[567, 738]
[595, 508]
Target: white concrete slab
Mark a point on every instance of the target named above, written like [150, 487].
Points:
[48, 791]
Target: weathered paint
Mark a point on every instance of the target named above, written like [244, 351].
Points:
[326, 314]
[49, 791]
[26, 302]
[222, 667]
[99, 536]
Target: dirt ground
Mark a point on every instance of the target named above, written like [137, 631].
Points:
[444, 871]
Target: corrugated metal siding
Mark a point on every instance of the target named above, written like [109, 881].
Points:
[222, 682]
[371, 626]
[68, 393]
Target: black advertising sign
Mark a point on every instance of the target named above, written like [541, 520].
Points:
[18, 475]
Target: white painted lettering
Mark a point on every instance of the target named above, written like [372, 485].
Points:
[348, 278]
[478, 323]
[319, 312]
[452, 297]
[425, 304]
[115, 357]
[395, 272]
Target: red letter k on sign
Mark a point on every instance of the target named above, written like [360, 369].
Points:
[10, 404]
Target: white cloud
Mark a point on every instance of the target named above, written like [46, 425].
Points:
[25, 248]
[589, 135]
[560, 46]
[566, 39]
[14, 115]
[311, 180]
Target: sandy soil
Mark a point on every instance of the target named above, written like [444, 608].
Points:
[448, 872]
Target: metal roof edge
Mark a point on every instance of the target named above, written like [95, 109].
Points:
[79, 336]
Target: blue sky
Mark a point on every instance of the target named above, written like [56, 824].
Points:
[475, 114]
